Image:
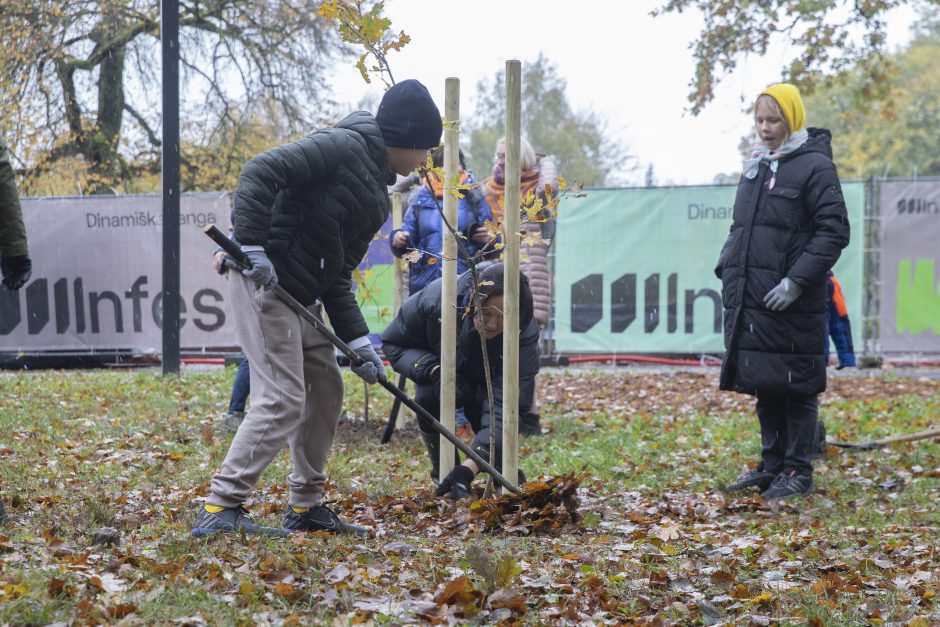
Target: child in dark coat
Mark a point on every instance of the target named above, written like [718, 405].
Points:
[412, 343]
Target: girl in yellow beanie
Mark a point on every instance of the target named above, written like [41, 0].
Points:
[789, 228]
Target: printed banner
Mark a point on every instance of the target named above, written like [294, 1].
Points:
[910, 266]
[633, 273]
[634, 269]
[97, 277]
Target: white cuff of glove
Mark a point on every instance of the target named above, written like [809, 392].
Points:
[359, 342]
[252, 248]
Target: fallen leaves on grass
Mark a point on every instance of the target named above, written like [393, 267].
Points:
[128, 461]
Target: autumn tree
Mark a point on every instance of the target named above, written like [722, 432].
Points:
[580, 140]
[897, 139]
[828, 38]
[80, 80]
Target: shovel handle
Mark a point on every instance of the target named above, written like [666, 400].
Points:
[225, 243]
[236, 253]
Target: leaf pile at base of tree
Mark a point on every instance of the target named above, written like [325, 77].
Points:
[544, 507]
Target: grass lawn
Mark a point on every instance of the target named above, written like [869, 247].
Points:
[656, 542]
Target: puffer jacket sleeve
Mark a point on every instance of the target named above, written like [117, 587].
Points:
[298, 164]
[339, 300]
[12, 230]
[406, 342]
[830, 224]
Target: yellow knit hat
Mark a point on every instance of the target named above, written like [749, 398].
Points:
[788, 97]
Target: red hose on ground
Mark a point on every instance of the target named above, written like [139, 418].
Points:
[641, 358]
[203, 360]
[912, 363]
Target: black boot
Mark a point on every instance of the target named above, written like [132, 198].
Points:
[802, 433]
[529, 424]
[432, 441]
[772, 414]
[820, 440]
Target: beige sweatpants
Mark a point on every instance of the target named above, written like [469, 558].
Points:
[296, 396]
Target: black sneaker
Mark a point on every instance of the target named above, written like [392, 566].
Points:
[230, 519]
[320, 518]
[751, 478]
[789, 484]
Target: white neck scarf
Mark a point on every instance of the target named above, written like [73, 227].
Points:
[762, 153]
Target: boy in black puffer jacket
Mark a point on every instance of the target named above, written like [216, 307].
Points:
[305, 213]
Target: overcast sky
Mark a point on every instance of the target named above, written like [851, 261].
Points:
[630, 68]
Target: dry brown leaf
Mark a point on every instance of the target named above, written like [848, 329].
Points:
[509, 598]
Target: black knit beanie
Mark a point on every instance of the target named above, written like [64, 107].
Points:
[408, 117]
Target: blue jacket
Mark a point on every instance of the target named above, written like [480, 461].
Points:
[839, 327]
[423, 222]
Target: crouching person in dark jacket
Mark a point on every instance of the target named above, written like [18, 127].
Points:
[305, 213]
[789, 228]
[412, 343]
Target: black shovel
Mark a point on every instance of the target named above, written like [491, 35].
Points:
[232, 249]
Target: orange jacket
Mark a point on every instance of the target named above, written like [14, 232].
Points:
[838, 298]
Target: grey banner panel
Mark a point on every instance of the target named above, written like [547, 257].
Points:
[97, 274]
[910, 266]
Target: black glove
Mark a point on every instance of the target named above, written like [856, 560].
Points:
[225, 263]
[229, 264]
[16, 271]
[456, 484]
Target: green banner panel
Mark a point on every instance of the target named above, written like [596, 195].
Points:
[634, 269]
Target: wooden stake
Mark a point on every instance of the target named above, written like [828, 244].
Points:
[449, 269]
[513, 204]
[397, 216]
